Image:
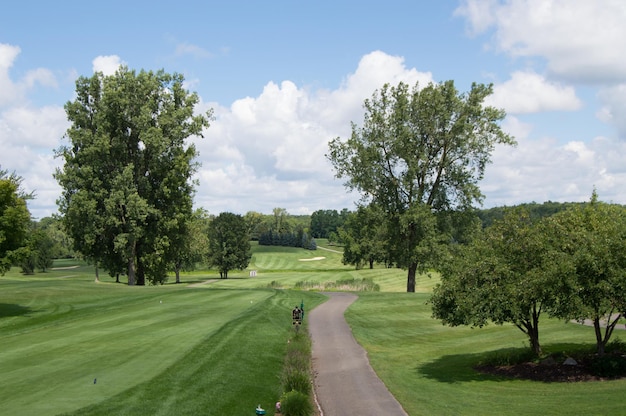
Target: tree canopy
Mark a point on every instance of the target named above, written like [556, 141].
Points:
[363, 236]
[14, 219]
[508, 273]
[593, 237]
[420, 151]
[571, 265]
[229, 243]
[127, 170]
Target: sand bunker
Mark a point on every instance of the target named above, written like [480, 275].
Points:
[313, 259]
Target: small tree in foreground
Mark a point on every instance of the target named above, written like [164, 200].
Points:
[507, 274]
[593, 236]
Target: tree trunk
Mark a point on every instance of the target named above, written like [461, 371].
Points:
[131, 267]
[533, 335]
[177, 271]
[410, 280]
[371, 263]
[599, 340]
[141, 272]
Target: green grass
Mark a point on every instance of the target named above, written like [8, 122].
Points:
[150, 350]
[429, 367]
[219, 348]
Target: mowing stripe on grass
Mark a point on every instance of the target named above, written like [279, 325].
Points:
[50, 361]
[228, 373]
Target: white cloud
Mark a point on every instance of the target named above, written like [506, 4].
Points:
[275, 144]
[529, 92]
[269, 150]
[614, 107]
[10, 91]
[33, 127]
[193, 50]
[28, 137]
[541, 170]
[108, 64]
[580, 39]
[13, 92]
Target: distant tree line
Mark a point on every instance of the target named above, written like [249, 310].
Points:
[288, 239]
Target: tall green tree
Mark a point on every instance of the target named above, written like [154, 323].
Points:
[419, 152]
[39, 250]
[194, 243]
[127, 170]
[324, 222]
[229, 243]
[593, 236]
[14, 219]
[363, 237]
[62, 244]
[256, 223]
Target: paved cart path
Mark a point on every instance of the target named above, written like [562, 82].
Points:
[345, 383]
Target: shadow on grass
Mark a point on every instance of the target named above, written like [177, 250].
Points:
[459, 368]
[10, 309]
[456, 368]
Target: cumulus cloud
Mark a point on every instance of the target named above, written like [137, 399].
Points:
[580, 40]
[14, 92]
[529, 92]
[275, 144]
[107, 64]
[28, 137]
[540, 170]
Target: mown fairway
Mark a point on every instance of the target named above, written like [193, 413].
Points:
[217, 348]
[72, 345]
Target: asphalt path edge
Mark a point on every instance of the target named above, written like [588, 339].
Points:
[344, 381]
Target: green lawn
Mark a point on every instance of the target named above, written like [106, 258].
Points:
[428, 367]
[70, 345]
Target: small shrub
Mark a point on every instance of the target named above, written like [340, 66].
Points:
[295, 403]
[609, 365]
[615, 346]
[509, 356]
[296, 379]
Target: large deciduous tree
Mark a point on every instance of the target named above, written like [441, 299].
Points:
[127, 171]
[419, 152]
[229, 243]
[14, 219]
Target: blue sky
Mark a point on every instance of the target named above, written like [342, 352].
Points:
[285, 77]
